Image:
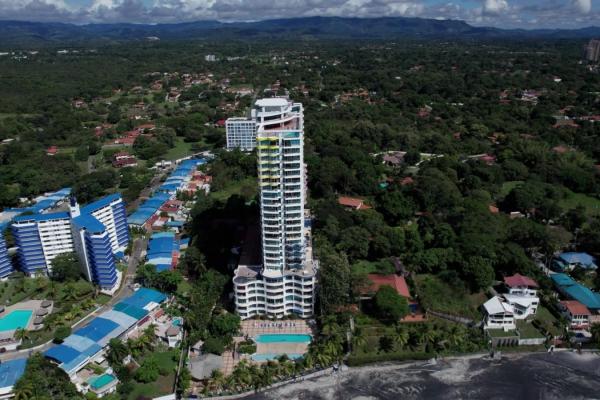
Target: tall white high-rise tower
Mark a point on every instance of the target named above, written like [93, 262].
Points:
[285, 281]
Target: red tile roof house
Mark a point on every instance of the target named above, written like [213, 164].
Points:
[521, 285]
[576, 313]
[396, 282]
[353, 203]
[52, 150]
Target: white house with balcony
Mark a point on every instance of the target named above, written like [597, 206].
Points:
[499, 314]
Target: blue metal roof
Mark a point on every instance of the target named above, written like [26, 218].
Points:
[89, 223]
[11, 371]
[42, 217]
[144, 296]
[576, 291]
[97, 329]
[62, 353]
[583, 259]
[98, 204]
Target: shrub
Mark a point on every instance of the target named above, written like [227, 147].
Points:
[214, 346]
[61, 334]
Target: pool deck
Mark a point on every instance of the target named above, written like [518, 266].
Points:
[29, 305]
[253, 328]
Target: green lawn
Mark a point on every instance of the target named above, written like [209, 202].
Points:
[549, 321]
[180, 150]
[528, 331]
[572, 200]
[164, 384]
[436, 295]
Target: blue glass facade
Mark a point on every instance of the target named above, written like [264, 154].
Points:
[101, 259]
[121, 223]
[5, 264]
[30, 251]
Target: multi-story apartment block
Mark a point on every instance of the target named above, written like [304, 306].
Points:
[110, 211]
[285, 282]
[241, 133]
[95, 232]
[41, 237]
[592, 51]
[5, 264]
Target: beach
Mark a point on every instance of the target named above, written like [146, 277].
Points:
[564, 375]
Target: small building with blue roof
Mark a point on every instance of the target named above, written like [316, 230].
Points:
[569, 260]
[87, 343]
[574, 290]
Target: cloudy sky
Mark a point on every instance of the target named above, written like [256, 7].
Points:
[500, 13]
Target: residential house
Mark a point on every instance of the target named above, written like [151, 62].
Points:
[52, 151]
[576, 313]
[353, 203]
[499, 314]
[569, 260]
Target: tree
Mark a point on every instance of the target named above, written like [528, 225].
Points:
[213, 345]
[224, 325]
[335, 280]
[117, 351]
[390, 306]
[61, 333]
[45, 381]
[148, 371]
[478, 272]
[65, 268]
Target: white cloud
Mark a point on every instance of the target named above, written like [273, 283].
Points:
[583, 6]
[501, 13]
[495, 6]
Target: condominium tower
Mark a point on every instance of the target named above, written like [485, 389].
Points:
[241, 133]
[592, 51]
[285, 282]
[95, 232]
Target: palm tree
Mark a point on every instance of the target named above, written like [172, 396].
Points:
[358, 339]
[23, 392]
[217, 379]
[21, 334]
[401, 338]
[117, 351]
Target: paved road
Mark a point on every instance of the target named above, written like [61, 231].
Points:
[564, 376]
[139, 245]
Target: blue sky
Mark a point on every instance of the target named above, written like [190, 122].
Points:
[527, 14]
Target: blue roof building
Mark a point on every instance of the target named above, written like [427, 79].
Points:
[96, 232]
[79, 348]
[162, 250]
[5, 263]
[571, 289]
[10, 372]
[569, 260]
[92, 243]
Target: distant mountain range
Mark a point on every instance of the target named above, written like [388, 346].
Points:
[37, 33]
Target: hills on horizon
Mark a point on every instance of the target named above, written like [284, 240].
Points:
[37, 33]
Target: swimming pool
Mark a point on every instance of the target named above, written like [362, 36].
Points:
[283, 338]
[101, 381]
[273, 356]
[17, 319]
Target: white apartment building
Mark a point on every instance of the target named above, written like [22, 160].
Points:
[241, 133]
[40, 238]
[285, 282]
